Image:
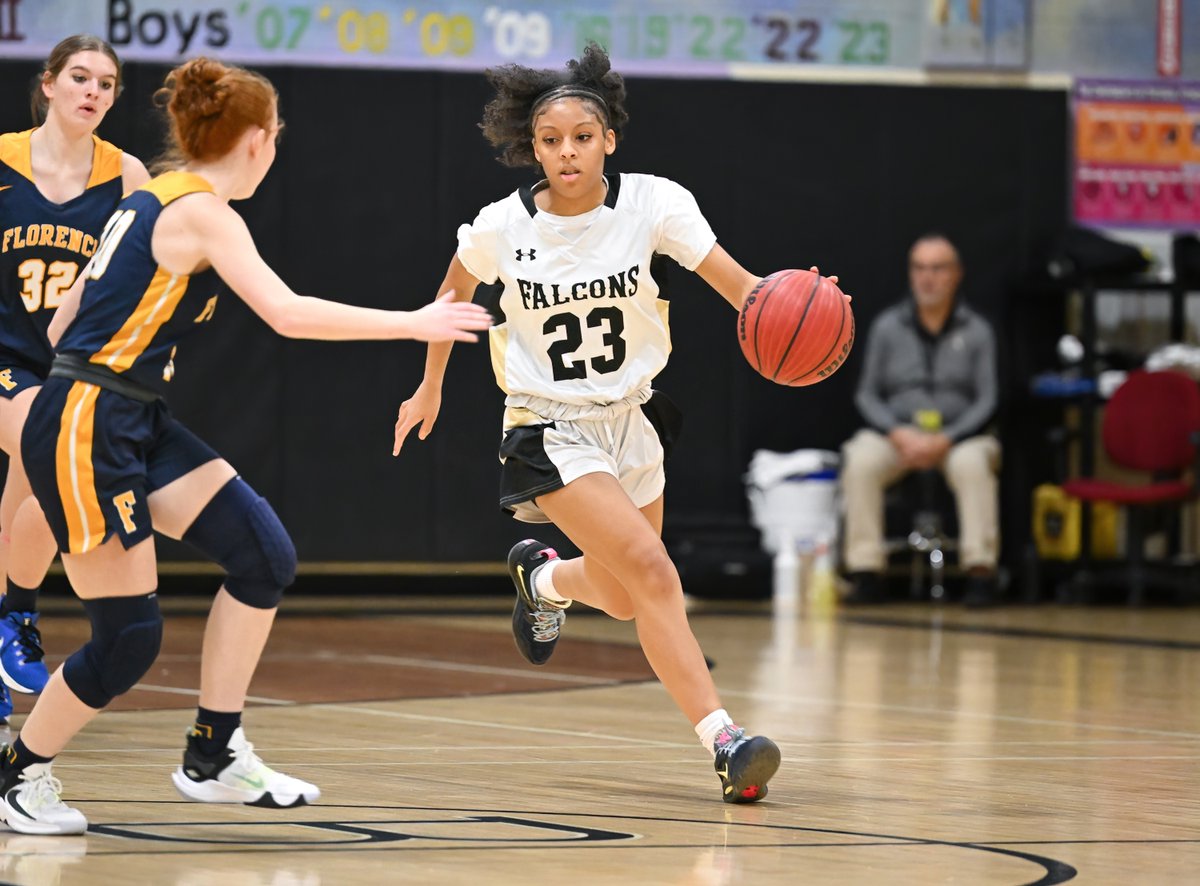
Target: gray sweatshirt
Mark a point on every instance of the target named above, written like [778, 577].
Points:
[907, 369]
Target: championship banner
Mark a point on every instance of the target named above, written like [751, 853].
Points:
[678, 38]
[1137, 153]
[752, 39]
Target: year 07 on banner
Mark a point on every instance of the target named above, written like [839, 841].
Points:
[358, 30]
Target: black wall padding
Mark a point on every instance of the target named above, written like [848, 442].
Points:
[378, 168]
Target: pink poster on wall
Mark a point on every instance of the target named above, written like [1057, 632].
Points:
[1137, 153]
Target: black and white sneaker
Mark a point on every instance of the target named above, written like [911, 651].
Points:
[30, 803]
[536, 623]
[237, 775]
[744, 765]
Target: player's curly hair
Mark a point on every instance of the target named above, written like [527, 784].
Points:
[508, 118]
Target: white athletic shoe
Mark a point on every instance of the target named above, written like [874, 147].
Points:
[237, 775]
[30, 804]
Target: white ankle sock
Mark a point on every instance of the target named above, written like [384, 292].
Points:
[543, 584]
[710, 727]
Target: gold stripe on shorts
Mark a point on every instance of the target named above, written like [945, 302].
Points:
[76, 479]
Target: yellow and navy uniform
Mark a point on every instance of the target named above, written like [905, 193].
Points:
[99, 437]
[133, 313]
[43, 248]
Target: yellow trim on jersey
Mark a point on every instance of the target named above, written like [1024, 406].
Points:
[106, 157]
[14, 152]
[520, 417]
[157, 305]
[173, 185]
[498, 346]
[106, 162]
[76, 479]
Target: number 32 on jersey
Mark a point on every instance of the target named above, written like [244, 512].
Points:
[44, 285]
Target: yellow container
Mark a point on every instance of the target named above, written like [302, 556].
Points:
[1056, 525]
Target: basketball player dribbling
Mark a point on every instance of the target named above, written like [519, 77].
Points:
[581, 333]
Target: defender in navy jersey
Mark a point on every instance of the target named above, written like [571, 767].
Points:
[111, 369]
[584, 331]
[59, 183]
[133, 312]
[45, 244]
[110, 465]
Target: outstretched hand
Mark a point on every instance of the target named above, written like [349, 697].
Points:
[449, 320]
[422, 409]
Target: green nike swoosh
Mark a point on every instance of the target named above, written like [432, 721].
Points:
[257, 783]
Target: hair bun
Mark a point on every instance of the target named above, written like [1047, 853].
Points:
[200, 84]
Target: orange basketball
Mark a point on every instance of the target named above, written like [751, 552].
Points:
[796, 327]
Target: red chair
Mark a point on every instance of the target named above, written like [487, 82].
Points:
[1151, 424]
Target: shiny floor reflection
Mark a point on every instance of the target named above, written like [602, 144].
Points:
[920, 744]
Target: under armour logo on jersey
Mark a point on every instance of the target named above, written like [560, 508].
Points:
[529, 254]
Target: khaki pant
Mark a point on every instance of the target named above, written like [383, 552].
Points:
[870, 464]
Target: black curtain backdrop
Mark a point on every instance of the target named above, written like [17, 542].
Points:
[378, 168]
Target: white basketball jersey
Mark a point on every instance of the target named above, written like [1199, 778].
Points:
[582, 322]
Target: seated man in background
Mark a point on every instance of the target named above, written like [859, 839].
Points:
[928, 392]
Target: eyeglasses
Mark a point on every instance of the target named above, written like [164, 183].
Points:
[939, 268]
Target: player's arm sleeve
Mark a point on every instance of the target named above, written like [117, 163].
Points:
[477, 243]
[683, 231]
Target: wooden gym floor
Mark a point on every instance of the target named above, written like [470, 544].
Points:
[920, 744]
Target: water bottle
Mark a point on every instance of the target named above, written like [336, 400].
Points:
[822, 592]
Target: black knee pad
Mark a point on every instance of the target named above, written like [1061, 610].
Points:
[126, 637]
[239, 530]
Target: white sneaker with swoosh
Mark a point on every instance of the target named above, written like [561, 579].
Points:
[238, 775]
[30, 803]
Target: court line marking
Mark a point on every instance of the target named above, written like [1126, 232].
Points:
[491, 724]
[755, 695]
[421, 749]
[524, 673]
[1015, 632]
[940, 712]
[508, 761]
[1056, 871]
[178, 690]
[1068, 842]
[967, 743]
[625, 761]
[416, 749]
[436, 665]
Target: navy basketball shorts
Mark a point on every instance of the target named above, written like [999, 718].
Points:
[539, 456]
[93, 457]
[15, 378]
